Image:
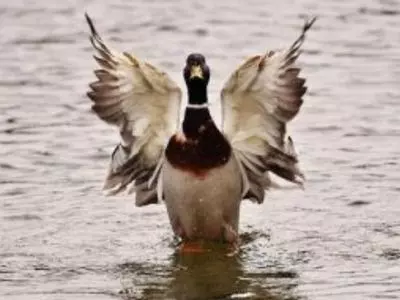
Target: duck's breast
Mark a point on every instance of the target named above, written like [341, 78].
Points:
[201, 204]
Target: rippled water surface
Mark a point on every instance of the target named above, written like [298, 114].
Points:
[62, 239]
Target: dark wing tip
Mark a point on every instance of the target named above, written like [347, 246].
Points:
[309, 23]
[91, 25]
[299, 41]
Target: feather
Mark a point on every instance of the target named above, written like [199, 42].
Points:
[258, 100]
[144, 103]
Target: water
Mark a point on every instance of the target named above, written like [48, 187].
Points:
[337, 239]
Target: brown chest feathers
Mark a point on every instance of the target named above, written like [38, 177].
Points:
[201, 153]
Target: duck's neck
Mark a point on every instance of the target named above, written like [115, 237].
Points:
[197, 113]
[197, 93]
[194, 120]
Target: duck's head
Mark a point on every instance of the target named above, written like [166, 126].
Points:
[197, 75]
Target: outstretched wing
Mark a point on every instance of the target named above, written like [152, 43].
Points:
[144, 103]
[259, 98]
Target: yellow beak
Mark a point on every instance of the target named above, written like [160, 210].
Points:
[196, 71]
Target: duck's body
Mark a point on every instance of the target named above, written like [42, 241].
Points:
[202, 200]
[203, 205]
[202, 173]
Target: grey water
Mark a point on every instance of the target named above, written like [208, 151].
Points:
[61, 238]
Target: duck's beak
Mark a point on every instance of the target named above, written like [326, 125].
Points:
[196, 71]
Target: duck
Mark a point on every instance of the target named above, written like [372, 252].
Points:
[201, 172]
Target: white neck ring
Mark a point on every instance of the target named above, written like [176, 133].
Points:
[197, 106]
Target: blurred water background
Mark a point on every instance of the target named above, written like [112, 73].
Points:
[62, 239]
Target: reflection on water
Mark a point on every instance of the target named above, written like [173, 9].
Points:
[209, 275]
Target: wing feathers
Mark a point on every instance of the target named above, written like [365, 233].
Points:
[144, 103]
[258, 100]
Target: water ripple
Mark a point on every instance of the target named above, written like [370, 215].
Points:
[63, 239]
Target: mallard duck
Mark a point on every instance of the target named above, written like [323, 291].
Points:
[200, 172]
